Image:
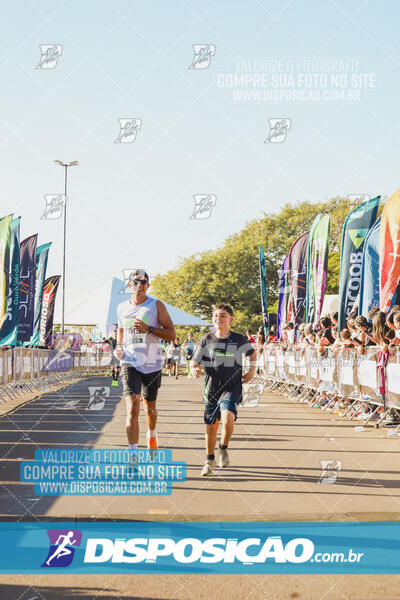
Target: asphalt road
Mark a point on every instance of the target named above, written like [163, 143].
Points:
[275, 474]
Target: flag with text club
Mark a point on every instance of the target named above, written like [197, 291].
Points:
[27, 288]
[369, 288]
[263, 288]
[358, 223]
[8, 330]
[5, 239]
[389, 252]
[42, 254]
[47, 313]
[283, 295]
[298, 278]
[317, 266]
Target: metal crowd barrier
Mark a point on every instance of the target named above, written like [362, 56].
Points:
[28, 369]
[347, 382]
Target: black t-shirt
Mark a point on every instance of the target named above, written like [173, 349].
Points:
[222, 360]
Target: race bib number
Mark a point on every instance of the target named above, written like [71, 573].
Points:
[137, 339]
[133, 336]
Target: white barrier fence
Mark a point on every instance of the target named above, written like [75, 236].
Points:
[27, 369]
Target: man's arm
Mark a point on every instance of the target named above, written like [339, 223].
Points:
[167, 329]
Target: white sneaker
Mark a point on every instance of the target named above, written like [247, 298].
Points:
[207, 470]
[223, 458]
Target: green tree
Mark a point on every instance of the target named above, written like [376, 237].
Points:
[231, 273]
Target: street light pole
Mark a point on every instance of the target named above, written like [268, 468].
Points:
[65, 165]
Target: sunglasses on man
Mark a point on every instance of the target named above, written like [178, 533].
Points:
[136, 282]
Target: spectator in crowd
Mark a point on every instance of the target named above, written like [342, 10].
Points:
[344, 342]
[390, 316]
[326, 338]
[290, 333]
[360, 338]
[309, 335]
[380, 333]
[334, 318]
[396, 323]
[249, 335]
[272, 337]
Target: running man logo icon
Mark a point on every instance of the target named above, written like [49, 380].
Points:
[98, 397]
[54, 206]
[329, 471]
[203, 205]
[50, 55]
[278, 129]
[251, 394]
[203, 54]
[62, 550]
[128, 129]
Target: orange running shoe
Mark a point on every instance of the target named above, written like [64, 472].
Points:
[152, 443]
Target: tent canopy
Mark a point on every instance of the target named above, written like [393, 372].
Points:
[178, 316]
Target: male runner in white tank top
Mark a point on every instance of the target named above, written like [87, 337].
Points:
[142, 323]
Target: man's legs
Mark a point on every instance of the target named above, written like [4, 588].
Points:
[150, 410]
[150, 385]
[132, 417]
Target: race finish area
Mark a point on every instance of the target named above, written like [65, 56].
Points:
[276, 458]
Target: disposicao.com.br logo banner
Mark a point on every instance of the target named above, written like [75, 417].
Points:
[202, 548]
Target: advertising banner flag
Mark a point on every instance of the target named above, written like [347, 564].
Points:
[369, 288]
[310, 301]
[358, 223]
[263, 288]
[317, 265]
[5, 239]
[27, 288]
[8, 330]
[42, 254]
[389, 252]
[47, 313]
[298, 277]
[283, 295]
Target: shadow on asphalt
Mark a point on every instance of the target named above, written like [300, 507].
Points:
[67, 418]
[40, 592]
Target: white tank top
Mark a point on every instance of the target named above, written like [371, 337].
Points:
[142, 351]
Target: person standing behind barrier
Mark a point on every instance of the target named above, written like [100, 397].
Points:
[115, 363]
[380, 333]
[176, 356]
[272, 334]
[396, 322]
[142, 323]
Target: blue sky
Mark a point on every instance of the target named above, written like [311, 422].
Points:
[129, 204]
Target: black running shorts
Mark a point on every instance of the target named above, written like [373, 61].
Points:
[144, 384]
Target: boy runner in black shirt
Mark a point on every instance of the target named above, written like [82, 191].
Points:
[221, 354]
